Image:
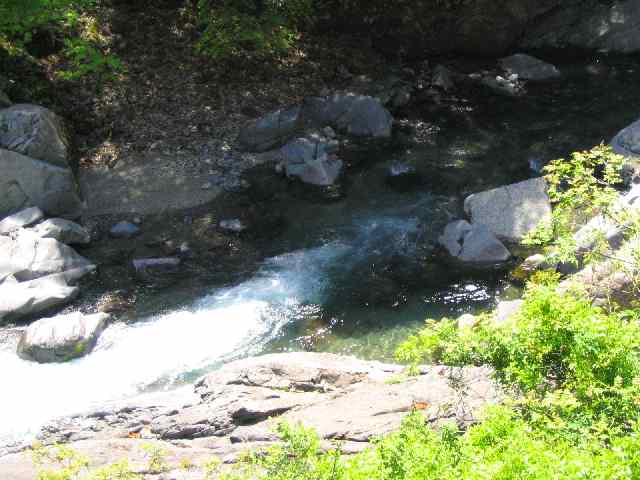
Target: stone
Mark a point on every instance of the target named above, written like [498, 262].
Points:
[269, 131]
[610, 26]
[467, 321]
[35, 132]
[473, 244]
[530, 68]
[512, 211]
[627, 141]
[308, 160]
[61, 338]
[124, 230]
[233, 225]
[441, 78]
[19, 300]
[21, 219]
[26, 256]
[156, 264]
[63, 230]
[358, 115]
[26, 182]
[505, 310]
[501, 86]
[480, 246]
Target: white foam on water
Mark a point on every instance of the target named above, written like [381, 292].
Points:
[157, 351]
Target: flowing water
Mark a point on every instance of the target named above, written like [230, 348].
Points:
[351, 276]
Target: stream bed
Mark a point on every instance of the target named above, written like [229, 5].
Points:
[353, 275]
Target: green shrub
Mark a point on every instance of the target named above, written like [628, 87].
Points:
[260, 29]
[64, 20]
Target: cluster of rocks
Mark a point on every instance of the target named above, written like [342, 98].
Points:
[498, 218]
[236, 408]
[304, 136]
[39, 273]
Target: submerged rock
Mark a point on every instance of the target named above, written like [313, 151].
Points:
[5, 101]
[473, 244]
[124, 230]
[512, 211]
[442, 78]
[35, 132]
[529, 68]
[24, 218]
[61, 338]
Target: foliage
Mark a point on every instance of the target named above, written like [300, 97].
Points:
[579, 188]
[156, 458]
[62, 21]
[68, 464]
[250, 28]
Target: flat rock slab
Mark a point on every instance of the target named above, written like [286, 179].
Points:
[22, 219]
[512, 211]
[234, 409]
[141, 187]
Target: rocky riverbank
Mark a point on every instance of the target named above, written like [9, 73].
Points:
[236, 408]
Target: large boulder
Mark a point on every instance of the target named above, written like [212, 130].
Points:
[358, 115]
[474, 244]
[512, 211]
[35, 132]
[627, 141]
[308, 160]
[21, 219]
[28, 182]
[26, 256]
[62, 230]
[589, 24]
[529, 68]
[270, 131]
[61, 338]
[19, 300]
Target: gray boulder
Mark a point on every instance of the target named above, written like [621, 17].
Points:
[28, 182]
[233, 225]
[124, 230]
[62, 230]
[505, 310]
[308, 160]
[473, 244]
[270, 131]
[529, 68]
[26, 256]
[512, 211]
[35, 132]
[627, 141]
[23, 218]
[20, 300]
[358, 115]
[61, 338]
[611, 26]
